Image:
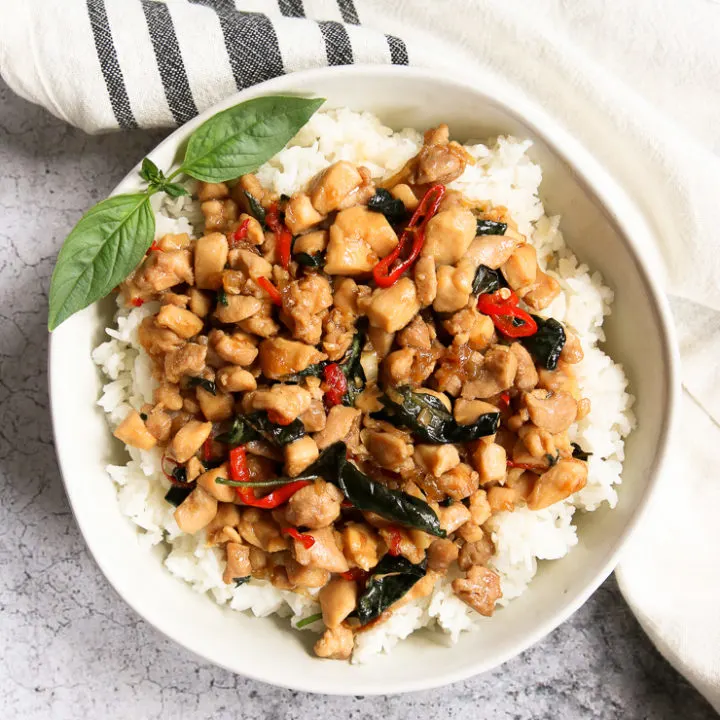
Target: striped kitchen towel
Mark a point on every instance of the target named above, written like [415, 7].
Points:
[104, 64]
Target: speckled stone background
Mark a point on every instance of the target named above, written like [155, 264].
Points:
[72, 649]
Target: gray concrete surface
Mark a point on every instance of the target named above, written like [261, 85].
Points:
[72, 649]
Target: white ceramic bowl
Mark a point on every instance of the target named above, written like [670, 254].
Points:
[603, 228]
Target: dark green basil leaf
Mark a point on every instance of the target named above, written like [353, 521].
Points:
[238, 140]
[310, 261]
[101, 251]
[391, 579]
[277, 435]
[241, 580]
[176, 494]
[205, 384]
[429, 420]
[487, 280]
[150, 172]
[547, 343]
[256, 209]
[179, 473]
[490, 227]
[383, 202]
[579, 453]
[238, 433]
[222, 297]
[352, 367]
[366, 494]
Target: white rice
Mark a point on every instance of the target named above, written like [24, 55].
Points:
[502, 174]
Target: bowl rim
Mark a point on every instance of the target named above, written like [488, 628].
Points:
[631, 222]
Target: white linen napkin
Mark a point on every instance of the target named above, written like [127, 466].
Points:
[638, 83]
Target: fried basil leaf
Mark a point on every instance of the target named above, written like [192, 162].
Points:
[579, 453]
[490, 227]
[310, 261]
[487, 280]
[256, 209]
[222, 297]
[204, 383]
[429, 420]
[393, 209]
[238, 433]
[391, 579]
[176, 494]
[366, 494]
[352, 367]
[275, 434]
[547, 343]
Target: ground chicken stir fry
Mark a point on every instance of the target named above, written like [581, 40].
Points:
[352, 382]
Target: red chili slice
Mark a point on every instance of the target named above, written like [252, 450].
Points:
[137, 302]
[508, 318]
[277, 418]
[241, 233]
[307, 540]
[394, 546]
[275, 498]
[336, 385]
[270, 289]
[283, 237]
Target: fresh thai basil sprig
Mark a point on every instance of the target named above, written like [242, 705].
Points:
[112, 237]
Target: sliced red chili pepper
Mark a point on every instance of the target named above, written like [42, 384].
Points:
[270, 289]
[137, 302]
[346, 504]
[356, 573]
[277, 418]
[508, 318]
[241, 233]
[307, 540]
[238, 465]
[336, 385]
[275, 498]
[504, 400]
[207, 450]
[283, 237]
[394, 546]
[386, 273]
[154, 247]
[526, 466]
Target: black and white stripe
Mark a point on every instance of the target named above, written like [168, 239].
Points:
[164, 62]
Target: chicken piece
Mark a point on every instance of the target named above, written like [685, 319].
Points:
[496, 374]
[558, 483]
[303, 300]
[158, 422]
[572, 351]
[183, 323]
[337, 600]
[526, 377]
[522, 483]
[538, 442]
[161, 271]
[238, 562]
[175, 299]
[425, 280]
[492, 251]
[501, 499]
[332, 186]
[521, 268]
[452, 517]
[402, 542]
[416, 334]
[388, 450]
[459, 482]
[312, 244]
[188, 439]
[335, 644]
[436, 459]
[397, 367]
[339, 330]
[258, 528]
[448, 236]
[299, 455]
[219, 214]
[280, 357]
[286, 402]
[561, 379]
[391, 309]
[314, 506]
[324, 553]
[476, 553]
[438, 161]
[237, 308]
[168, 395]
[212, 191]
[404, 193]
[186, 360]
[173, 241]
[314, 418]
[208, 481]
[211, 253]
[360, 545]
[217, 406]
[359, 238]
[381, 341]
[251, 264]
[157, 340]
[441, 554]
[490, 460]
[195, 511]
[542, 292]
[454, 286]
[235, 379]
[221, 529]
[238, 348]
[472, 327]
[199, 304]
[552, 411]
[305, 577]
[132, 431]
[466, 412]
[300, 215]
[480, 510]
[480, 589]
[262, 322]
[342, 423]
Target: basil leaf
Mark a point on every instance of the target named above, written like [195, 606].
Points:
[429, 420]
[239, 433]
[149, 171]
[547, 343]
[308, 260]
[174, 190]
[205, 384]
[101, 251]
[490, 227]
[366, 494]
[241, 580]
[487, 280]
[222, 297]
[352, 367]
[393, 209]
[246, 428]
[176, 494]
[238, 140]
[256, 209]
[391, 579]
[579, 453]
